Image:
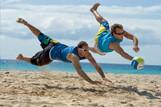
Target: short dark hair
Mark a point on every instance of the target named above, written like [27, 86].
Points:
[81, 44]
[114, 26]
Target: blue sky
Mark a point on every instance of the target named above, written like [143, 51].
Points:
[70, 21]
[89, 2]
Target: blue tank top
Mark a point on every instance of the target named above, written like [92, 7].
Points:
[104, 40]
[60, 52]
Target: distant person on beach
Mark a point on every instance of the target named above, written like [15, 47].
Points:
[108, 40]
[54, 50]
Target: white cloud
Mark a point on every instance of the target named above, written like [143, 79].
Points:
[72, 19]
[137, 10]
[8, 2]
[70, 24]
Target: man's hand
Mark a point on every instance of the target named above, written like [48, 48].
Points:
[136, 49]
[135, 40]
[96, 82]
[105, 79]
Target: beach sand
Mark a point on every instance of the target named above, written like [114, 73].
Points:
[54, 89]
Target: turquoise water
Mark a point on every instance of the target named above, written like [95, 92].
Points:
[10, 65]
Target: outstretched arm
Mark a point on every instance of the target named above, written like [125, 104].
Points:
[95, 50]
[119, 50]
[98, 17]
[94, 63]
[135, 40]
[75, 62]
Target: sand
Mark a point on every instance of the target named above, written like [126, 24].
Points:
[54, 89]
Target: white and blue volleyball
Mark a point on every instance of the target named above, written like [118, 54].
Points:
[138, 63]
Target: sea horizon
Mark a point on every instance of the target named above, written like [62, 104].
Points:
[15, 65]
[88, 62]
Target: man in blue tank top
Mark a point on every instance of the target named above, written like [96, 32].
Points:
[108, 40]
[54, 50]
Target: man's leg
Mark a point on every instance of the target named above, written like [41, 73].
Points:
[44, 39]
[98, 17]
[23, 58]
[33, 29]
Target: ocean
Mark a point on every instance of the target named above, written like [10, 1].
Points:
[12, 65]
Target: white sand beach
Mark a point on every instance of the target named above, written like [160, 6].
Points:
[54, 89]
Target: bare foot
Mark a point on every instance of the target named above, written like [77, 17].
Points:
[94, 7]
[20, 20]
[19, 57]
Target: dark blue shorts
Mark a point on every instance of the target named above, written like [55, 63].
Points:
[42, 57]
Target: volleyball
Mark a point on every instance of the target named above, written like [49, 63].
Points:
[138, 63]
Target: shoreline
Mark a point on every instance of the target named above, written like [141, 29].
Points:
[87, 62]
[75, 72]
[59, 89]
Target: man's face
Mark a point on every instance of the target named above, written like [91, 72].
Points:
[83, 50]
[119, 31]
[85, 47]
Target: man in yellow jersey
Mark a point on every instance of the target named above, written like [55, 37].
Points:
[108, 39]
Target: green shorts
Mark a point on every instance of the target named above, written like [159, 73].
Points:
[45, 40]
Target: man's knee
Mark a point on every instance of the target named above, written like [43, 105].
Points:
[37, 33]
[100, 19]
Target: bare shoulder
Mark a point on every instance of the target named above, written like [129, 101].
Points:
[128, 35]
[71, 57]
[87, 54]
